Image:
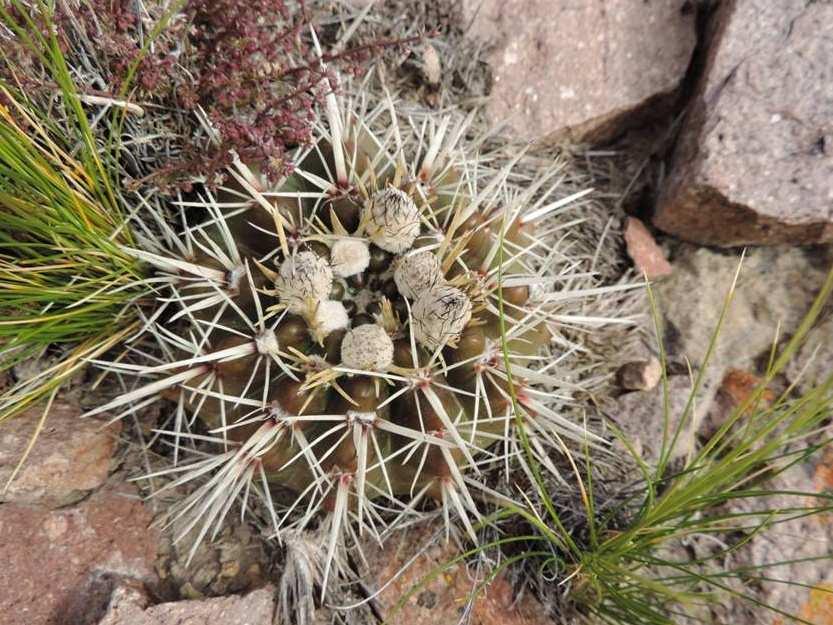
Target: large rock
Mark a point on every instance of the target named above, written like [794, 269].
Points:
[129, 606]
[775, 289]
[754, 161]
[70, 457]
[582, 71]
[59, 566]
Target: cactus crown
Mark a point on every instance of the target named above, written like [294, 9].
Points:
[348, 337]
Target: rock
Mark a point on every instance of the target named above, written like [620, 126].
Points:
[776, 286]
[444, 599]
[70, 458]
[647, 256]
[233, 562]
[641, 418]
[754, 160]
[735, 389]
[127, 597]
[813, 365]
[738, 386]
[639, 376]
[818, 607]
[129, 606]
[582, 71]
[775, 289]
[796, 550]
[59, 566]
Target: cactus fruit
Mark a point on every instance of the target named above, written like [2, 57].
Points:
[358, 339]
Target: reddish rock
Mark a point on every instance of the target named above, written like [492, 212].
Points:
[819, 606]
[70, 458]
[129, 606]
[59, 566]
[582, 71]
[738, 386]
[754, 161]
[823, 475]
[444, 599]
[647, 255]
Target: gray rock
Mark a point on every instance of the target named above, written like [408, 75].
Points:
[129, 606]
[71, 456]
[797, 551]
[232, 562]
[813, 365]
[754, 161]
[641, 418]
[776, 286]
[581, 71]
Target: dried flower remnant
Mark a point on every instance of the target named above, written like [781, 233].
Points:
[416, 273]
[440, 314]
[304, 279]
[392, 220]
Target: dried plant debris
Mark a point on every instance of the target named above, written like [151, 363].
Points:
[250, 67]
[444, 68]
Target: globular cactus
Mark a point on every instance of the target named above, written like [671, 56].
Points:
[358, 340]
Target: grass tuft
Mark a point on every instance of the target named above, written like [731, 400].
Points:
[66, 283]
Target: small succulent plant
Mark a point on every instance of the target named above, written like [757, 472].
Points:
[358, 340]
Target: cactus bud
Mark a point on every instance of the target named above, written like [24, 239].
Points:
[330, 316]
[392, 220]
[302, 277]
[416, 273]
[439, 316]
[368, 348]
[349, 257]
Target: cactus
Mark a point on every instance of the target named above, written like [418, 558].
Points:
[354, 341]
